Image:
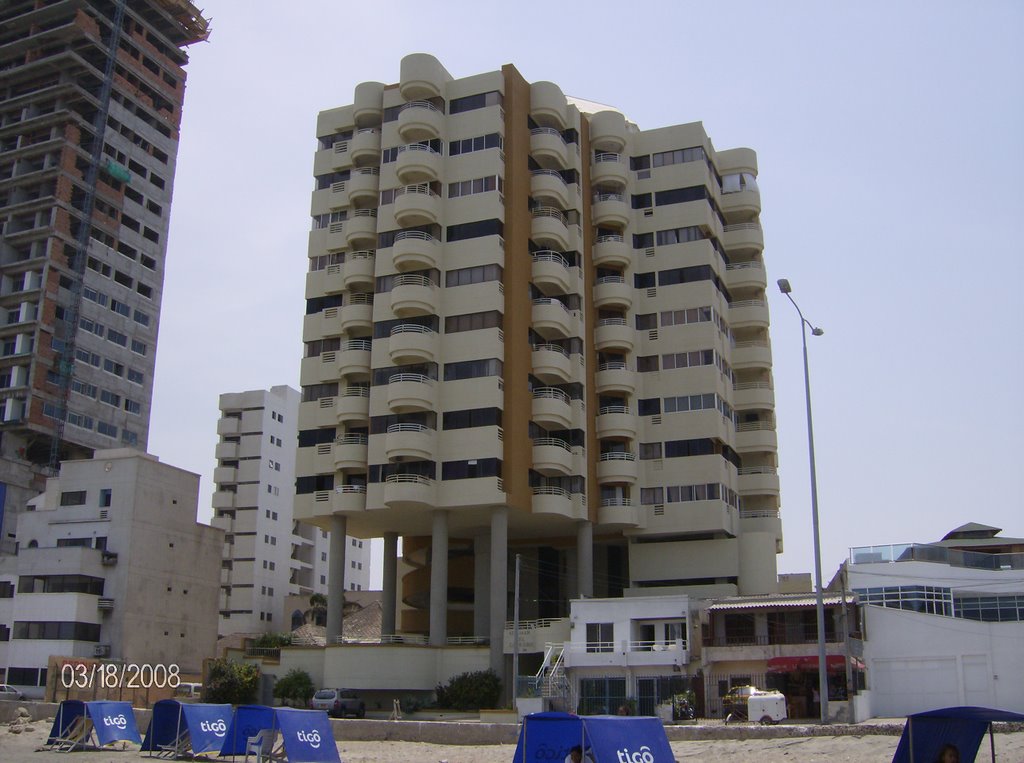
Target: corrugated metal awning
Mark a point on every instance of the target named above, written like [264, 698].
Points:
[776, 603]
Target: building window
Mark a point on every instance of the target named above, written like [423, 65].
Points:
[73, 498]
[105, 496]
[600, 637]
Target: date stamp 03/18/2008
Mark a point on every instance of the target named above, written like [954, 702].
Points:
[119, 676]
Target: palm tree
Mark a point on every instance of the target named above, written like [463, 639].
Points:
[318, 609]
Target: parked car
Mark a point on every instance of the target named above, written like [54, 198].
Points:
[339, 703]
[9, 692]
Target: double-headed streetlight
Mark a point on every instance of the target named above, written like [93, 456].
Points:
[786, 289]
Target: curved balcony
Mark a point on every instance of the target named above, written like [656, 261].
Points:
[550, 228]
[552, 500]
[745, 275]
[551, 408]
[364, 147]
[552, 456]
[411, 343]
[609, 169]
[421, 76]
[753, 353]
[608, 131]
[758, 480]
[350, 453]
[551, 364]
[357, 314]
[405, 442]
[414, 250]
[547, 146]
[612, 251]
[548, 105]
[613, 292]
[551, 319]
[743, 236]
[352, 405]
[408, 491]
[413, 295]
[416, 205]
[748, 313]
[349, 498]
[618, 513]
[417, 164]
[753, 395]
[610, 209]
[363, 186]
[616, 468]
[411, 392]
[420, 120]
[361, 229]
[615, 376]
[549, 186]
[616, 421]
[747, 202]
[368, 104]
[614, 334]
[756, 436]
[358, 271]
[551, 272]
[352, 359]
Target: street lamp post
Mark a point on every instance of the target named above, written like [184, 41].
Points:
[786, 289]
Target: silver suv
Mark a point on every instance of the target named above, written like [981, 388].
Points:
[9, 692]
[338, 703]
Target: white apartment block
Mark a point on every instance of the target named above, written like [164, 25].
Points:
[267, 555]
[533, 328]
[111, 563]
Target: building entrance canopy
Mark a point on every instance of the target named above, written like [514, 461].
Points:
[833, 662]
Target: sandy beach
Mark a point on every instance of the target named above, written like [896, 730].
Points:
[15, 748]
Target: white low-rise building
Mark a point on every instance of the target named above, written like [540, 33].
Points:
[946, 621]
[111, 563]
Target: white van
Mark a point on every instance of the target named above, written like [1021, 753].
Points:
[188, 692]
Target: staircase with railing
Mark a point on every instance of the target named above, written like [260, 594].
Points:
[551, 681]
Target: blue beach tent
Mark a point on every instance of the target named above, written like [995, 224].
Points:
[965, 727]
[206, 726]
[307, 736]
[246, 723]
[548, 738]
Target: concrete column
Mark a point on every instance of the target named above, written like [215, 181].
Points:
[439, 580]
[336, 577]
[390, 584]
[585, 558]
[499, 588]
[482, 585]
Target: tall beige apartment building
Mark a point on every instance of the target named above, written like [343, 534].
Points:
[533, 329]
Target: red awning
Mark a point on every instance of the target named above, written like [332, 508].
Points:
[833, 662]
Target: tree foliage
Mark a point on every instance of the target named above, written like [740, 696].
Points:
[235, 683]
[470, 691]
[296, 687]
[272, 640]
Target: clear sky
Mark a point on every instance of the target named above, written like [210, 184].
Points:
[890, 138]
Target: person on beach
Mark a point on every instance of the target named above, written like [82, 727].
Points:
[948, 754]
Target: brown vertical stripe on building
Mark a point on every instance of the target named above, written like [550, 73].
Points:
[518, 452]
[590, 313]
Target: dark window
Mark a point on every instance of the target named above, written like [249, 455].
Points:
[306, 485]
[313, 392]
[600, 637]
[647, 363]
[473, 417]
[641, 200]
[643, 240]
[646, 321]
[643, 280]
[310, 437]
[479, 143]
[649, 406]
[680, 195]
[54, 630]
[472, 322]
[652, 495]
[472, 469]
[60, 584]
[649, 450]
[73, 498]
[316, 304]
[473, 102]
[472, 369]
[476, 274]
[640, 162]
[476, 229]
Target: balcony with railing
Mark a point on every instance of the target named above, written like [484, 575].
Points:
[548, 148]
[551, 272]
[615, 376]
[352, 405]
[361, 228]
[364, 147]
[412, 295]
[409, 491]
[549, 186]
[349, 498]
[552, 500]
[552, 456]
[743, 236]
[756, 394]
[616, 421]
[613, 335]
[751, 353]
[550, 228]
[363, 186]
[611, 250]
[410, 442]
[613, 292]
[748, 313]
[357, 272]
[618, 513]
[552, 319]
[414, 250]
[416, 205]
[745, 275]
[350, 453]
[552, 408]
[753, 436]
[351, 360]
[418, 164]
[551, 363]
[609, 169]
[758, 480]
[616, 467]
[582, 654]
[610, 209]
[420, 120]
[924, 552]
[411, 392]
[411, 343]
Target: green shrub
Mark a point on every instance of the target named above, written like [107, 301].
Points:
[470, 691]
[296, 687]
[235, 683]
[273, 640]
